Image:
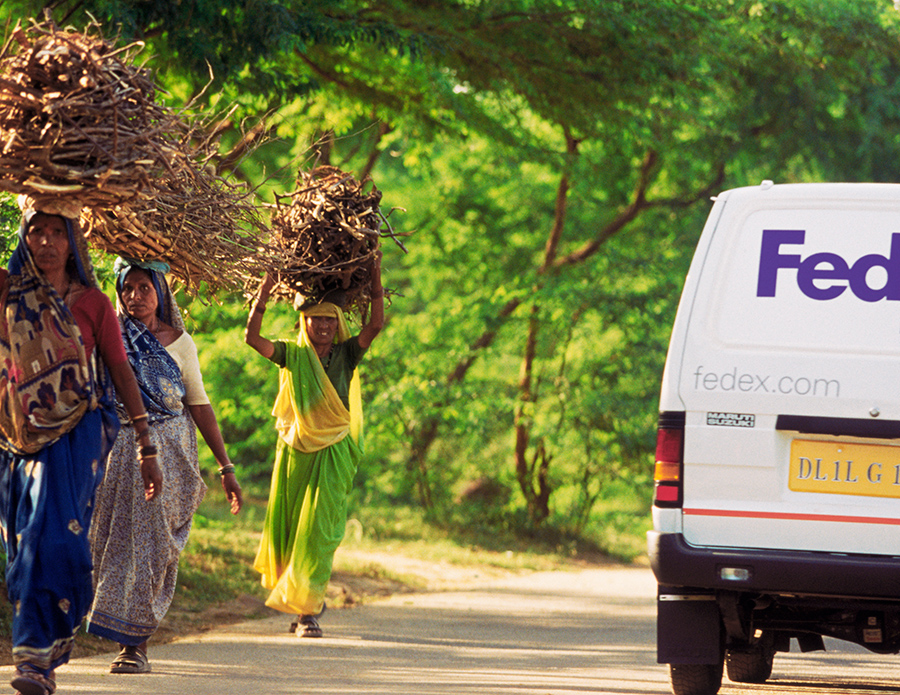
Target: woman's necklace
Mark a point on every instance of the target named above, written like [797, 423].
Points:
[327, 361]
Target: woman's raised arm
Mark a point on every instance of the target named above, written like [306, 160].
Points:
[263, 346]
[376, 309]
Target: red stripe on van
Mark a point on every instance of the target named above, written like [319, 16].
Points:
[793, 516]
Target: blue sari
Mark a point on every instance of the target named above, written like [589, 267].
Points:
[45, 506]
[47, 485]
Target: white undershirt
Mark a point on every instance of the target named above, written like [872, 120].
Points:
[184, 352]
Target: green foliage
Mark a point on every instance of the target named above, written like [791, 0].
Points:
[10, 217]
[217, 564]
[480, 118]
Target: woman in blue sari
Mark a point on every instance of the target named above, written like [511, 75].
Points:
[59, 348]
[136, 546]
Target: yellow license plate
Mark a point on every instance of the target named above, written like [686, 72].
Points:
[845, 469]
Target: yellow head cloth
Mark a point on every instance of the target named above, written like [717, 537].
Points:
[323, 309]
[310, 414]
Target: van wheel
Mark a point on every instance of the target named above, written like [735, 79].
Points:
[695, 679]
[751, 664]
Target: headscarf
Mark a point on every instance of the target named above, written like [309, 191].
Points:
[47, 381]
[157, 271]
[157, 373]
[310, 414]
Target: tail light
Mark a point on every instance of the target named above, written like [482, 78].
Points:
[669, 459]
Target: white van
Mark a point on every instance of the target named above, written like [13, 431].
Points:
[776, 511]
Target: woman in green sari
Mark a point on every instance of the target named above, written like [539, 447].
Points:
[319, 421]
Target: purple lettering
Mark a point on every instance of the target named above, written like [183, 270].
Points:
[770, 260]
[811, 270]
[823, 276]
[859, 274]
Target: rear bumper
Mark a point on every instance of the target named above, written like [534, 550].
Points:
[676, 563]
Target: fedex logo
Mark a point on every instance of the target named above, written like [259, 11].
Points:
[825, 275]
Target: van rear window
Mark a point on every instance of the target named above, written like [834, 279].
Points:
[811, 279]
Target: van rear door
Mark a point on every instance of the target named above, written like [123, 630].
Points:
[790, 372]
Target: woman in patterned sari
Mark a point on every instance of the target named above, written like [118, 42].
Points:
[60, 346]
[319, 422]
[136, 546]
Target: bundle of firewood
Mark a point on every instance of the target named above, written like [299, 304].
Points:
[327, 234]
[77, 116]
[207, 228]
[79, 119]
[190, 224]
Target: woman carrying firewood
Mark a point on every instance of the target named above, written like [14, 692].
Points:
[136, 546]
[319, 422]
[59, 343]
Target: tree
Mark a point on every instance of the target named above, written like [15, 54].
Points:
[554, 157]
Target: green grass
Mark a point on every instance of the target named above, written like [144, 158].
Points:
[217, 564]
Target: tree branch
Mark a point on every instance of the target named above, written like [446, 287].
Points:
[559, 212]
[637, 204]
[383, 129]
[249, 141]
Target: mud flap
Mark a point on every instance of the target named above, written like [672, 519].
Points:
[688, 628]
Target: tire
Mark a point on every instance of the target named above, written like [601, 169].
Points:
[695, 679]
[751, 664]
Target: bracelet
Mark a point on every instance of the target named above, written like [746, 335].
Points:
[226, 469]
[147, 451]
[142, 416]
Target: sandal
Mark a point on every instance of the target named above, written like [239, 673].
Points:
[310, 627]
[304, 620]
[29, 681]
[131, 660]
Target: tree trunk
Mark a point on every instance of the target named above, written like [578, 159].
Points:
[532, 477]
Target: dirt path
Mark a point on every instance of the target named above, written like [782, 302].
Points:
[345, 589]
[565, 632]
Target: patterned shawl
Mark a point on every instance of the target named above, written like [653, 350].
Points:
[158, 375]
[46, 377]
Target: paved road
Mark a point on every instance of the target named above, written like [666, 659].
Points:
[560, 633]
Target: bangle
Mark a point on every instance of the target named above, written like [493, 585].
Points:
[226, 469]
[142, 416]
[147, 451]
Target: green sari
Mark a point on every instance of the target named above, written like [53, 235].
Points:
[319, 447]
